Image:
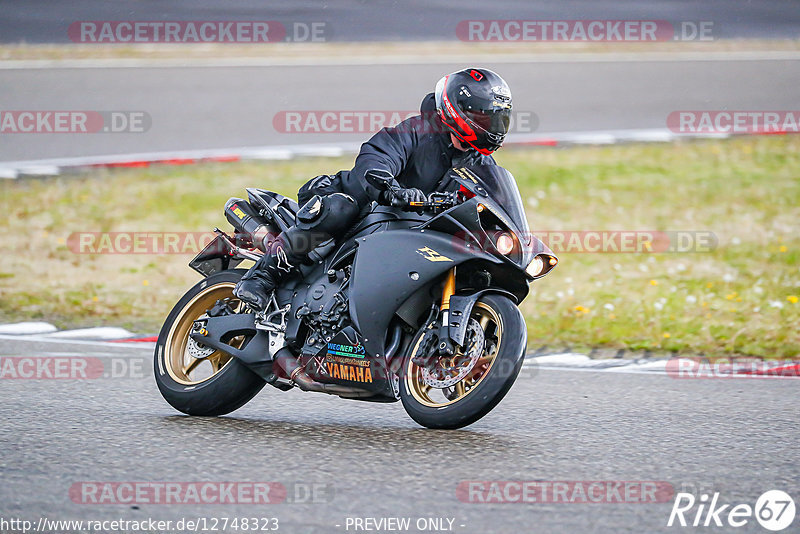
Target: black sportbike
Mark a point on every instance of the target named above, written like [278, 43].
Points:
[419, 306]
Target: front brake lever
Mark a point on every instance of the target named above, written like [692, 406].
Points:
[436, 202]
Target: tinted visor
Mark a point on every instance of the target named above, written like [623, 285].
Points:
[494, 121]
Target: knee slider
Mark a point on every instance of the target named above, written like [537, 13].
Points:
[310, 211]
[320, 219]
[331, 214]
[341, 211]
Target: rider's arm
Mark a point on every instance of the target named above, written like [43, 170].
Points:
[388, 150]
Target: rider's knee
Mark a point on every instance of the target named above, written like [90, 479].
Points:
[320, 219]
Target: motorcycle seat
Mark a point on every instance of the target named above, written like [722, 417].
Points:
[285, 208]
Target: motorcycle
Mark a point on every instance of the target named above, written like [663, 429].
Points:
[419, 306]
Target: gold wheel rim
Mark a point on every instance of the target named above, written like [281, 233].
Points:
[181, 366]
[492, 327]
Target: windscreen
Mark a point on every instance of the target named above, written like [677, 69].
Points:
[497, 184]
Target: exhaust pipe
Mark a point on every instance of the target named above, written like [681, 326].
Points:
[291, 367]
[245, 219]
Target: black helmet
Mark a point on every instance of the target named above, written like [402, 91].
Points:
[476, 105]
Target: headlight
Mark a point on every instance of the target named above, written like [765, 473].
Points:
[541, 265]
[535, 267]
[505, 244]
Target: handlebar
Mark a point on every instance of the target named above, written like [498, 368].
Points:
[437, 201]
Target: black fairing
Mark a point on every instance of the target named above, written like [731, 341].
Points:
[495, 188]
[214, 258]
[392, 266]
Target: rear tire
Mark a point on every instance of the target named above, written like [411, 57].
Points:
[231, 384]
[504, 328]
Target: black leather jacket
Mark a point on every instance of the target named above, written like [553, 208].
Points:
[418, 152]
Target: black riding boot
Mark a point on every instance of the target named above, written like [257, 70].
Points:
[256, 285]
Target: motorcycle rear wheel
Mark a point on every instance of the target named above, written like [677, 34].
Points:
[212, 385]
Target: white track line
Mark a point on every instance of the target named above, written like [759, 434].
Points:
[404, 59]
[42, 339]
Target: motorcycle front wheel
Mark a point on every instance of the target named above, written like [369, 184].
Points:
[194, 379]
[471, 383]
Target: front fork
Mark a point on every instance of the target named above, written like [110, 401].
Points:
[445, 342]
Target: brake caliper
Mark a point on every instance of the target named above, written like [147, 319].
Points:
[428, 353]
[444, 370]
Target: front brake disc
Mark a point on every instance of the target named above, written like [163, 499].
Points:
[441, 376]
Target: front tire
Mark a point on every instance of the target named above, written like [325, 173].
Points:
[215, 384]
[488, 381]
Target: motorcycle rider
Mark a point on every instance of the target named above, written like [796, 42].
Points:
[461, 123]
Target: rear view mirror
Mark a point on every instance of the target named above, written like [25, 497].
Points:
[379, 179]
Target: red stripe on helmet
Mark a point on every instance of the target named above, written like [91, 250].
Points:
[484, 151]
[468, 133]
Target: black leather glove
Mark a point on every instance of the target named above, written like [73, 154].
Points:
[391, 193]
[403, 197]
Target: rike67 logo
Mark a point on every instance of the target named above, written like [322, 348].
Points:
[774, 510]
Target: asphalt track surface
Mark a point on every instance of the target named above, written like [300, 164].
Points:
[736, 437]
[46, 21]
[209, 107]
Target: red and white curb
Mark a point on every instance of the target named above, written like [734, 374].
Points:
[581, 362]
[42, 331]
[57, 166]
[680, 367]
[28, 328]
[674, 367]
